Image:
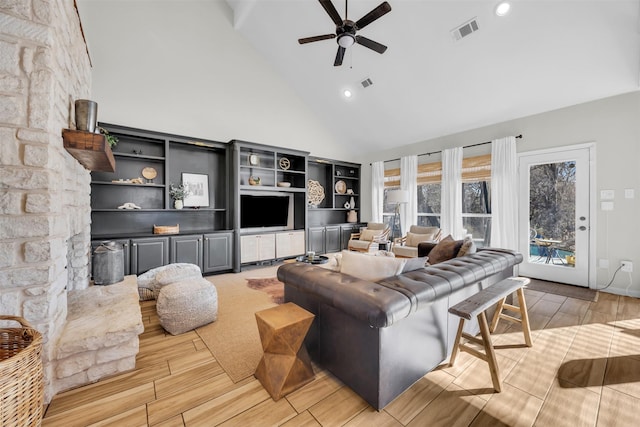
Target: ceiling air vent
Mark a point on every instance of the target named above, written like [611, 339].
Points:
[366, 82]
[465, 29]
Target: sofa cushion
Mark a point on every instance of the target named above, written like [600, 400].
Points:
[369, 267]
[468, 247]
[413, 239]
[405, 251]
[414, 264]
[445, 250]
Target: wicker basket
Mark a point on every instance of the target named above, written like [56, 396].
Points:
[21, 375]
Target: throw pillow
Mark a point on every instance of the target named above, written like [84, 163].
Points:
[369, 235]
[369, 267]
[467, 248]
[415, 264]
[446, 249]
[413, 239]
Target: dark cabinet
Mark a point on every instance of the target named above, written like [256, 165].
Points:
[346, 231]
[186, 249]
[324, 239]
[316, 239]
[148, 253]
[332, 239]
[218, 252]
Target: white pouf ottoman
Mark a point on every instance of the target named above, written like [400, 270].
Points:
[185, 305]
[149, 283]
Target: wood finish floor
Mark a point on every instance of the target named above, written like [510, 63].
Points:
[583, 370]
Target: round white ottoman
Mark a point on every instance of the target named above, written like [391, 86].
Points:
[149, 283]
[186, 305]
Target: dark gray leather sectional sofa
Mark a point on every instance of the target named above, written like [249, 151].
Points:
[380, 338]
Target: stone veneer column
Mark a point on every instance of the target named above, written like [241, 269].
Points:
[44, 192]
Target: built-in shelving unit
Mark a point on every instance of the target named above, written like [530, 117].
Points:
[141, 154]
[261, 172]
[328, 222]
[223, 235]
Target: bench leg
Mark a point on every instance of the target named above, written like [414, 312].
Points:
[526, 329]
[488, 348]
[496, 315]
[456, 346]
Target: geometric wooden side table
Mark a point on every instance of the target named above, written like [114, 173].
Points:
[285, 364]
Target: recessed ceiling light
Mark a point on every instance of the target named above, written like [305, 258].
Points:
[347, 93]
[503, 8]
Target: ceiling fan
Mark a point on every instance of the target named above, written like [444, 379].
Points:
[346, 29]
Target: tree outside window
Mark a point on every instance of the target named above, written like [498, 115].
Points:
[476, 210]
[429, 198]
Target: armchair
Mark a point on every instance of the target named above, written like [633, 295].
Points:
[407, 246]
[368, 238]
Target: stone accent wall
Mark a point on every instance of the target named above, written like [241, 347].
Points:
[44, 192]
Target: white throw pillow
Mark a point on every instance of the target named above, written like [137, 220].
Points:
[369, 267]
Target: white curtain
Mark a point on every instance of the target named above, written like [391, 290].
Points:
[451, 198]
[377, 191]
[409, 183]
[504, 194]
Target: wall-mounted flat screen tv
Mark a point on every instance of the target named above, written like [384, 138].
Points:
[266, 211]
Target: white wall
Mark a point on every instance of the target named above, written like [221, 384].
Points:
[613, 124]
[180, 67]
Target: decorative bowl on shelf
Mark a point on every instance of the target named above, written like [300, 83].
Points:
[284, 184]
[254, 180]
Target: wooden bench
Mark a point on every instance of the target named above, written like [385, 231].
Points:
[476, 306]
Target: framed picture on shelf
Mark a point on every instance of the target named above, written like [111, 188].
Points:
[198, 186]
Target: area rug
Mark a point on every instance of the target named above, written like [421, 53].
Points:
[563, 290]
[271, 286]
[233, 339]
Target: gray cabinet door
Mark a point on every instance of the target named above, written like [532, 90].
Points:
[126, 255]
[218, 252]
[148, 253]
[346, 234]
[316, 239]
[186, 249]
[332, 239]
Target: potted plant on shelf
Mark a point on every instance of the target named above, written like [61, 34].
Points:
[111, 140]
[178, 193]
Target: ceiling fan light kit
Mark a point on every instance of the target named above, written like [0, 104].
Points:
[346, 29]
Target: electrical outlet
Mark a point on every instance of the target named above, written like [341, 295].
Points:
[627, 266]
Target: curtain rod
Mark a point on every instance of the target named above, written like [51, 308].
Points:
[440, 151]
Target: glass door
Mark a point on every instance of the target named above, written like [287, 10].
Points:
[554, 216]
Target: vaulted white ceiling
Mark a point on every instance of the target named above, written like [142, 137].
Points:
[542, 56]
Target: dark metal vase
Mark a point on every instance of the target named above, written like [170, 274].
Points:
[108, 264]
[86, 115]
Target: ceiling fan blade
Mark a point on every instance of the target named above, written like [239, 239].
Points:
[376, 13]
[380, 48]
[331, 10]
[339, 56]
[316, 38]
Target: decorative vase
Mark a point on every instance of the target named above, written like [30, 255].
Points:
[352, 203]
[352, 216]
[178, 204]
[86, 115]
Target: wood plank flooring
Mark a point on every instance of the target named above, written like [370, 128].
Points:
[583, 370]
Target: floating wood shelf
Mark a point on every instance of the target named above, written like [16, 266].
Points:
[90, 149]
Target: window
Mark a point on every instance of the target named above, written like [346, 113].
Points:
[476, 210]
[476, 200]
[429, 194]
[391, 182]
